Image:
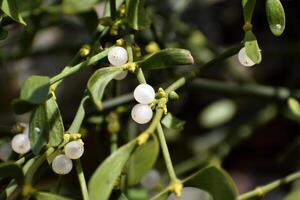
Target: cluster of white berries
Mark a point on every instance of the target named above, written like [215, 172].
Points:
[118, 56]
[20, 142]
[62, 163]
[142, 112]
[190, 193]
[244, 58]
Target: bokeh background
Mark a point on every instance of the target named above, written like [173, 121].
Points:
[257, 140]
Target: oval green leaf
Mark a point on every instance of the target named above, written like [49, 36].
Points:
[167, 58]
[46, 126]
[294, 106]
[10, 8]
[248, 8]
[35, 89]
[12, 170]
[215, 181]
[142, 160]
[48, 196]
[102, 181]
[252, 49]
[275, 16]
[98, 82]
[136, 15]
[169, 121]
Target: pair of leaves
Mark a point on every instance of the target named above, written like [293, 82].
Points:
[275, 16]
[141, 160]
[46, 126]
[136, 15]
[10, 8]
[167, 58]
[248, 8]
[98, 82]
[34, 92]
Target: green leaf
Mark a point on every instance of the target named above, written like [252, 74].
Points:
[10, 8]
[169, 121]
[252, 49]
[142, 160]
[294, 106]
[102, 181]
[136, 15]
[21, 106]
[167, 58]
[77, 6]
[293, 195]
[35, 89]
[275, 16]
[46, 126]
[98, 82]
[215, 181]
[217, 113]
[248, 8]
[12, 170]
[49, 196]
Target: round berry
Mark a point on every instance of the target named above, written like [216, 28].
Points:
[20, 143]
[62, 164]
[74, 150]
[117, 56]
[141, 113]
[151, 180]
[144, 93]
[121, 76]
[191, 193]
[244, 59]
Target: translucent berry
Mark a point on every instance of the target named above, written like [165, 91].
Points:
[144, 93]
[121, 76]
[74, 150]
[151, 180]
[244, 59]
[62, 164]
[117, 56]
[141, 113]
[191, 193]
[20, 143]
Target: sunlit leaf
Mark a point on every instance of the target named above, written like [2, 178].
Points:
[172, 122]
[136, 15]
[252, 49]
[275, 16]
[248, 8]
[10, 8]
[294, 106]
[48, 196]
[293, 195]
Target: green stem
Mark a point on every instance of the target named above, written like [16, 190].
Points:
[113, 142]
[252, 90]
[69, 70]
[112, 4]
[261, 191]
[82, 181]
[76, 124]
[166, 153]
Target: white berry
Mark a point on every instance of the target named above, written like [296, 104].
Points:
[117, 56]
[62, 164]
[74, 150]
[121, 76]
[151, 180]
[141, 113]
[144, 93]
[244, 59]
[20, 143]
[190, 193]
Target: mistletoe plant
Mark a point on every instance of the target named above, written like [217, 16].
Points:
[116, 49]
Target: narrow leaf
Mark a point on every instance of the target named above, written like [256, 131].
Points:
[169, 121]
[294, 106]
[77, 6]
[248, 8]
[102, 181]
[49, 196]
[12, 170]
[275, 16]
[252, 49]
[142, 160]
[167, 58]
[10, 8]
[215, 181]
[98, 82]
[136, 15]
[35, 89]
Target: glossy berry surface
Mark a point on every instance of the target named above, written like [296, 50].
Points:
[141, 113]
[62, 164]
[144, 93]
[74, 150]
[117, 56]
[20, 143]
[244, 59]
